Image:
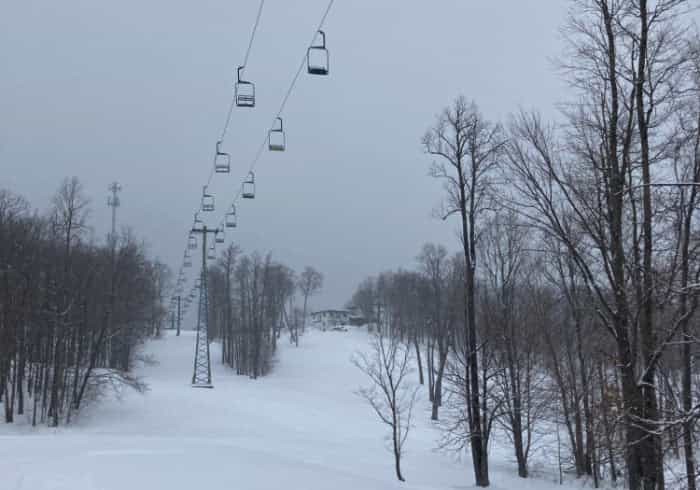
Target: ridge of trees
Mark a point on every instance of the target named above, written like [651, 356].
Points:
[252, 301]
[574, 297]
[72, 312]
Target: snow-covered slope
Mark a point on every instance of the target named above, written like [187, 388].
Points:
[300, 428]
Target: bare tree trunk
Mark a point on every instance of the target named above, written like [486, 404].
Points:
[418, 358]
[437, 400]
[397, 450]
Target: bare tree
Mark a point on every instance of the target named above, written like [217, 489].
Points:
[365, 299]
[70, 208]
[599, 185]
[435, 267]
[310, 282]
[388, 365]
[505, 262]
[467, 147]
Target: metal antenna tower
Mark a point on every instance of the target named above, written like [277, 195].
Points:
[113, 202]
[201, 377]
[179, 316]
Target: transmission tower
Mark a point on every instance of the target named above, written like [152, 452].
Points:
[201, 377]
[113, 202]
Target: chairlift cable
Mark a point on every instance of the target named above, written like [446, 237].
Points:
[292, 85]
[303, 61]
[282, 106]
[252, 35]
[224, 130]
[232, 104]
[229, 113]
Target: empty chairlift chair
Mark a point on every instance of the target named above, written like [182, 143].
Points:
[211, 253]
[222, 161]
[192, 242]
[198, 223]
[231, 218]
[317, 59]
[220, 235]
[244, 91]
[249, 186]
[207, 200]
[276, 140]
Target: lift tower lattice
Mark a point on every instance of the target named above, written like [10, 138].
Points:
[201, 377]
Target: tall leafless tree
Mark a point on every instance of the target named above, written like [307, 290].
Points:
[310, 282]
[467, 147]
[594, 186]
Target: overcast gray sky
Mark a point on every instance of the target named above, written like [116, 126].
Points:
[137, 91]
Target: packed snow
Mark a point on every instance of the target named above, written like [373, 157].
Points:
[302, 427]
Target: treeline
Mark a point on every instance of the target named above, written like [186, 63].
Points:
[252, 300]
[72, 312]
[578, 271]
[543, 363]
[423, 308]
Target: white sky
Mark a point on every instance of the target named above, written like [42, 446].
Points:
[137, 91]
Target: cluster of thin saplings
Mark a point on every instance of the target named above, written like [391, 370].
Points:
[252, 301]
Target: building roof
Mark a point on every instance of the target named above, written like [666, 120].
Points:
[332, 311]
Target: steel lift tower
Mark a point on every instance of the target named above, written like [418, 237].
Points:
[201, 377]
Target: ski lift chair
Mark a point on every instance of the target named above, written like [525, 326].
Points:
[249, 186]
[276, 140]
[207, 201]
[222, 161]
[245, 91]
[317, 59]
[231, 218]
